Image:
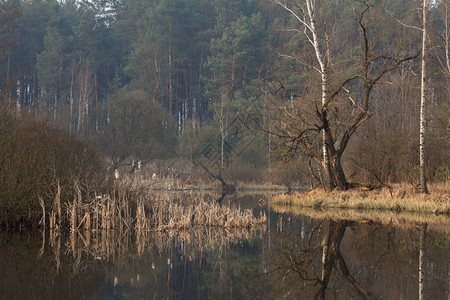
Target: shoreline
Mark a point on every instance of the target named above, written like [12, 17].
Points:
[397, 199]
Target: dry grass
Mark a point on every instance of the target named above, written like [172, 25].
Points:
[399, 198]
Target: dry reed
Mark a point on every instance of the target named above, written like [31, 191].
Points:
[142, 211]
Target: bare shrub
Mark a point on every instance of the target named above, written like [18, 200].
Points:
[34, 159]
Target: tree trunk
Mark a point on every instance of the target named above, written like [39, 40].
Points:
[170, 69]
[327, 178]
[95, 95]
[423, 88]
[233, 63]
[55, 105]
[86, 95]
[156, 89]
[446, 41]
[338, 173]
[244, 77]
[222, 141]
[72, 71]
[33, 94]
[328, 184]
[59, 87]
[225, 186]
[8, 83]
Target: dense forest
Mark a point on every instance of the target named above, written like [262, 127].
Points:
[241, 89]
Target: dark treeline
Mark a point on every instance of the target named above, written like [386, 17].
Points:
[66, 58]
[198, 78]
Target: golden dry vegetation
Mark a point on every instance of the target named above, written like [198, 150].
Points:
[399, 198]
[142, 210]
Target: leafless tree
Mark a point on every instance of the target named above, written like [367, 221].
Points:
[345, 101]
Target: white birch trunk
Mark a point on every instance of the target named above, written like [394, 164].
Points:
[55, 105]
[8, 70]
[170, 68]
[223, 132]
[423, 181]
[222, 115]
[19, 96]
[86, 96]
[71, 96]
[80, 105]
[324, 72]
[221, 149]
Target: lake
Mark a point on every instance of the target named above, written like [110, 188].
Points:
[297, 256]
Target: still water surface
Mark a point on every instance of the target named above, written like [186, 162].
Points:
[295, 257]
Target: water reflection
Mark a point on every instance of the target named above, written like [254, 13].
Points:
[313, 258]
[295, 257]
[423, 233]
[346, 259]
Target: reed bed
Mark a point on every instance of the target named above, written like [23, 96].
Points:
[123, 209]
[161, 214]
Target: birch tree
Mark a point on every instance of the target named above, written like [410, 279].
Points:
[222, 112]
[345, 102]
[308, 20]
[423, 93]
[423, 88]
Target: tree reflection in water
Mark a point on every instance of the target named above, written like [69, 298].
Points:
[341, 259]
[193, 263]
[314, 258]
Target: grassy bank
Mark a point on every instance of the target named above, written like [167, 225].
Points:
[399, 199]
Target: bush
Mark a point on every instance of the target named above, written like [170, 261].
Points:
[442, 173]
[136, 128]
[34, 158]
